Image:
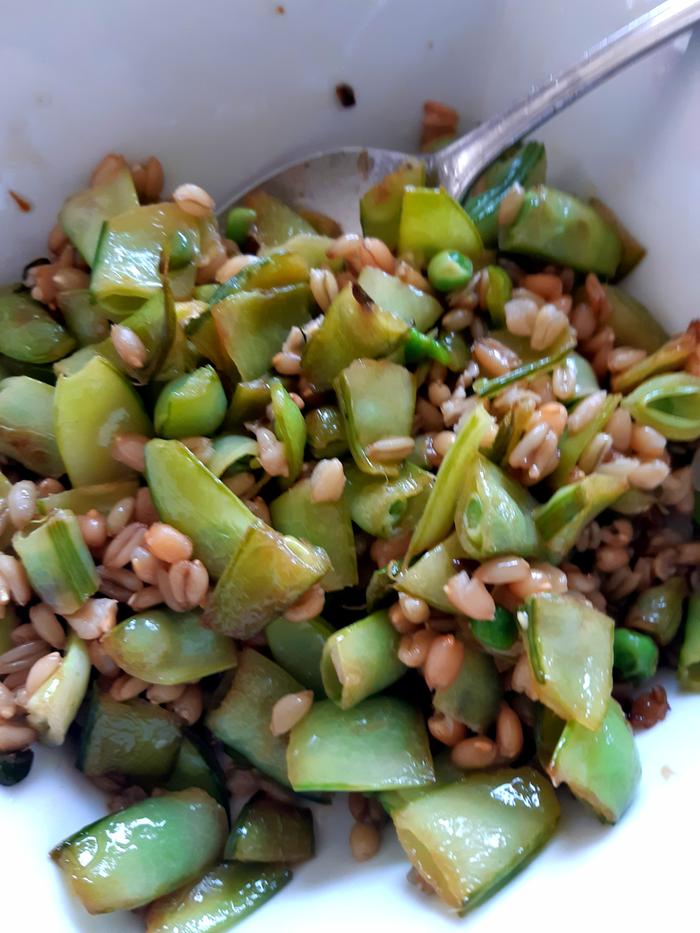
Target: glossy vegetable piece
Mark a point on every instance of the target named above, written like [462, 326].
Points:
[404, 301]
[275, 222]
[468, 838]
[135, 738]
[635, 655]
[248, 402]
[267, 573]
[498, 634]
[498, 291]
[361, 659]
[191, 405]
[633, 324]
[87, 322]
[426, 578]
[563, 517]
[84, 214]
[54, 705]
[659, 610]
[421, 347]
[632, 250]
[57, 561]
[164, 647]
[634, 502]
[80, 500]
[438, 515]
[526, 167]
[289, 427]
[667, 359]
[689, 661]
[189, 497]
[559, 228]
[570, 648]
[130, 858]
[325, 432]
[232, 454]
[253, 325]
[239, 220]
[432, 221]
[15, 766]
[670, 404]
[386, 507]
[219, 900]
[201, 333]
[155, 324]
[353, 327]
[380, 744]
[601, 767]
[242, 719]
[326, 525]
[377, 400]
[494, 513]
[380, 207]
[26, 425]
[487, 388]
[298, 647]
[266, 273]
[586, 381]
[572, 446]
[474, 696]
[269, 830]
[312, 248]
[28, 333]
[196, 765]
[92, 408]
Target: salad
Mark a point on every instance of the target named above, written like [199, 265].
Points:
[288, 512]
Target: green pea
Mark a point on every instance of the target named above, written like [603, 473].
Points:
[238, 222]
[181, 250]
[635, 655]
[499, 633]
[449, 270]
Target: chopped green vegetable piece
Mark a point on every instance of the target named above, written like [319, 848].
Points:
[54, 705]
[264, 273]
[297, 647]
[191, 405]
[689, 661]
[486, 388]
[474, 696]
[380, 744]
[58, 562]
[15, 766]
[449, 270]
[361, 659]
[377, 400]
[132, 737]
[670, 404]
[196, 765]
[632, 250]
[353, 327]
[248, 402]
[92, 408]
[404, 301]
[189, 497]
[432, 221]
[557, 227]
[84, 214]
[387, 507]
[82, 499]
[634, 502]
[494, 513]
[601, 767]
[420, 347]
[164, 647]
[275, 222]
[289, 427]
[427, 577]
[324, 524]
[570, 648]
[26, 425]
[635, 655]
[266, 574]
[216, 903]
[586, 381]
[239, 220]
[467, 839]
[672, 356]
[132, 857]
[380, 207]
[28, 333]
[269, 830]
[325, 432]
[242, 719]
[498, 291]
[633, 324]
[87, 322]
[438, 515]
[232, 453]
[497, 634]
[571, 446]
[659, 610]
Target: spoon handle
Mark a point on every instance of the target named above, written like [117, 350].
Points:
[458, 164]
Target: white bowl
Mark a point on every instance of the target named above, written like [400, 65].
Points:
[223, 89]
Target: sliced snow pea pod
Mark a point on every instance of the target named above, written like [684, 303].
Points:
[474, 696]
[232, 453]
[689, 661]
[188, 496]
[421, 347]
[27, 425]
[298, 647]
[659, 610]
[28, 333]
[84, 214]
[635, 655]
[634, 502]
[325, 432]
[586, 381]
[380, 744]
[670, 404]
[130, 858]
[155, 323]
[54, 705]
[269, 830]
[432, 221]
[312, 248]
[632, 250]
[196, 765]
[15, 766]
[633, 324]
[386, 507]
[353, 327]
[200, 331]
[570, 648]
[324, 524]
[58, 563]
[242, 719]
[498, 634]
[266, 273]
[219, 900]
[405, 301]
[267, 573]
[92, 408]
[571, 446]
[164, 647]
[82, 499]
[86, 321]
[289, 427]
[468, 838]
[380, 207]
[667, 359]
[275, 222]
[248, 402]
[557, 227]
[361, 659]
[486, 388]
[191, 405]
[132, 737]
[426, 578]
[377, 400]
[498, 291]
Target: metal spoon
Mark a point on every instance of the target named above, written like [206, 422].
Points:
[333, 182]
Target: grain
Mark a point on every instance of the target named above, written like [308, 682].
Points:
[120, 515]
[474, 753]
[289, 710]
[649, 475]
[521, 314]
[585, 411]
[129, 346]
[648, 443]
[130, 449]
[231, 267]
[622, 358]
[390, 449]
[93, 528]
[126, 688]
[509, 733]
[324, 287]
[365, 841]
[619, 428]
[167, 543]
[443, 663]
[446, 729]
[15, 737]
[94, 618]
[120, 549]
[193, 200]
[550, 324]
[595, 452]
[494, 358]
[48, 487]
[47, 626]
[21, 503]
[165, 693]
[416, 610]
[413, 648]
[189, 582]
[41, 670]
[107, 169]
[544, 284]
[15, 577]
[189, 706]
[506, 569]
[308, 605]
[470, 596]
[146, 598]
[327, 481]
[510, 205]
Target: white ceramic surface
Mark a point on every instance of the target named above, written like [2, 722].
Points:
[222, 89]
